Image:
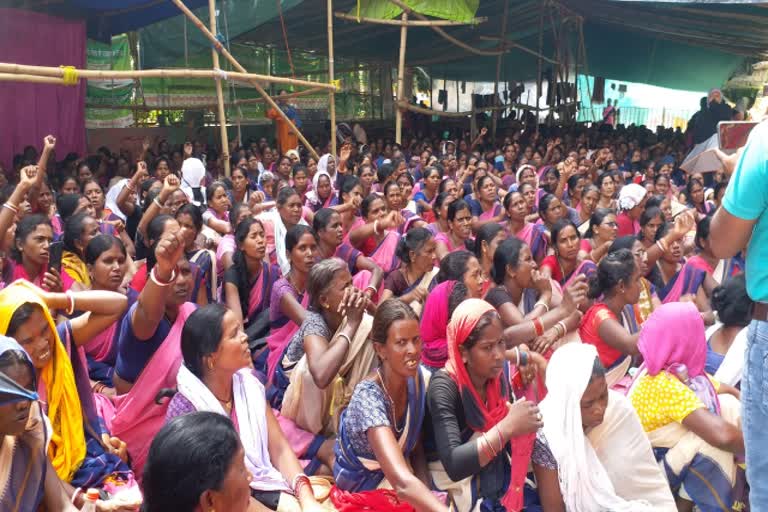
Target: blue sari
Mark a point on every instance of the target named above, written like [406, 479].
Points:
[356, 474]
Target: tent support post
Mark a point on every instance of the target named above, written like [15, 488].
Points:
[538, 64]
[331, 94]
[219, 94]
[256, 85]
[502, 38]
[401, 79]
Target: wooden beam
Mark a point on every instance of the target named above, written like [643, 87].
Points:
[37, 79]
[410, 23]
[158, 73]
[509, 43]
[401, 79]
[222, 115]
[331, 95]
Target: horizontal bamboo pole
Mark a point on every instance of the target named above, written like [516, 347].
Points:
[508, 43]
[12, 77]
[404, 105]
[410, 23]
[158, 73]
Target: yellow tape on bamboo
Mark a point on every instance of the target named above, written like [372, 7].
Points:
[70, 75]
[336, 83]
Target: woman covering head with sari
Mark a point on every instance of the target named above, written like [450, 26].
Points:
[216, 377]
[322, 194]
[380, 430]
[592, 453]
[472, 422]
[691, 420]
[532, 234]
[81, 449]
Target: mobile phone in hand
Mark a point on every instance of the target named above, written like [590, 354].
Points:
[54, 255]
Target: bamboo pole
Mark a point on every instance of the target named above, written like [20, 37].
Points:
[94, 74]
[508, 43]
[538, 64]
[401, 80]
[37, 79]
[222, 115]
[502, 37]
[331, 94]
[207, 33]
[410, 23]
[431, 112]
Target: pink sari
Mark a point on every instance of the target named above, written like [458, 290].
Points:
[384, 254]
[20, 273]
[532, 235]
[434, 324]
[490, 214]
[100, 347]
[686, 282]
[138, 418]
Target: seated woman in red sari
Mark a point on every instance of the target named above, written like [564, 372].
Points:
[377, 236]
[533, 235]
[459, 217]
[677, 281]
[83, 451]
[718, 271]
[380, 431]
[106, 258]
[524, 299]
[248, 287]
[566, 263]
[488, 199]
[615, 285]
[632, 199]
[328, 227]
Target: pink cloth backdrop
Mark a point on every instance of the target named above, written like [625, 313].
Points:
[32, 111]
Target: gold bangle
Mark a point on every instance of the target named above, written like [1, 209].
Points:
[542, 303]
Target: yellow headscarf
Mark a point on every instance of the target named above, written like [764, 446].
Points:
[67, 448]
[75, 267]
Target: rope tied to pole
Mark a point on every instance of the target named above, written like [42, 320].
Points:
[221, 74]
[70, 76]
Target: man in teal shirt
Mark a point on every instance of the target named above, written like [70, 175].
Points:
[743, 222]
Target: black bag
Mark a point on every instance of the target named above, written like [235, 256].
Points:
[257, 331]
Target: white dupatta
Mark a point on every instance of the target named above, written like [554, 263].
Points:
[250, 407]
[584, 482]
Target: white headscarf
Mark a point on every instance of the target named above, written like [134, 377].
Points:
[192, 175]
[584, 483]
[322, 165]
[110, 201]
[312, 195]
[631, 195]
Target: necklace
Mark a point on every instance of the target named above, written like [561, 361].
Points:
[227, 403]
[391, 403]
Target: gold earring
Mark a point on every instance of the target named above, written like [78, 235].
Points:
[210, 364]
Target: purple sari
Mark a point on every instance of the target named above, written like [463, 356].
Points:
[685, 282]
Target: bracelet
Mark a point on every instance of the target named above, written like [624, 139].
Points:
[71, 302]
[376, 227]
[562, 324]
[75, 494]
[543, 304]
[130, 186]
[157, 202]
[343, 335]
[299, 480]
[501, 438]
[490, 446]
[559, 332]
[517, 356]
[661, 245]
[523, 358]
[538, 327]
[9, 206]
[154, 278]
[372, 288]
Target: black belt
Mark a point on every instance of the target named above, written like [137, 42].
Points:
[760, 311]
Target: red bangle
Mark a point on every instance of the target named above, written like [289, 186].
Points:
[538, 327]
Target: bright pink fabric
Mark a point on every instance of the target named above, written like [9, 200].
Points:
[434, 324]
[32, 111]
[138, 418]
[674, 334]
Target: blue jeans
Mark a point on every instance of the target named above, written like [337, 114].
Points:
[754, 397]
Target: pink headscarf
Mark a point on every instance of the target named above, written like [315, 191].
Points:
[674, 334]
[434, 322]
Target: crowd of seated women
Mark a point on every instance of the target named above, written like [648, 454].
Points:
[535, 322]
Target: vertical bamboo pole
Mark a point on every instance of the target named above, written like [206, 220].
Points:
[502, 44]
[401, 80]
[331, 94]
[538, 62]
[219, 94]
